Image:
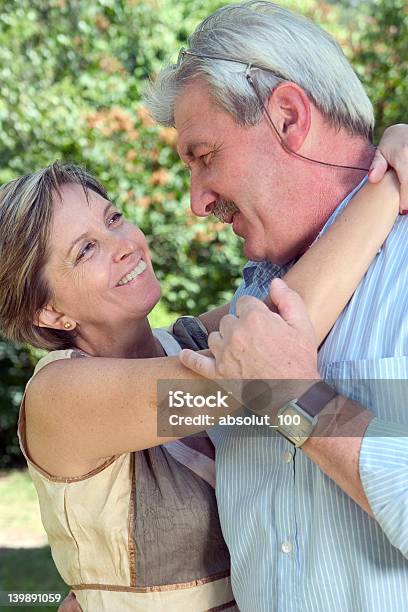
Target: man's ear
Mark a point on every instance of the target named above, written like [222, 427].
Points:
[290, 111]
[51, 318]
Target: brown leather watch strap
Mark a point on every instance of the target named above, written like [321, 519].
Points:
[316, 398]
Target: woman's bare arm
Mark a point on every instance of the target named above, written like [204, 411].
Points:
[327, 275]
[212, 318]
[80, 411]
[83, 410]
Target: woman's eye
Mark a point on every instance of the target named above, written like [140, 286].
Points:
[87, 248]
[115, 218]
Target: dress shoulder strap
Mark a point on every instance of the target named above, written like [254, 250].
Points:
[55, 356]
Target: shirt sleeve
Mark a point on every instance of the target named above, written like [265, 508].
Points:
[383, 468]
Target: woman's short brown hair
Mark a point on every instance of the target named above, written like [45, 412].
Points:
[26, 211]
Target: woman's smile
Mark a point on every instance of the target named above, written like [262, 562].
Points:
[133, 274]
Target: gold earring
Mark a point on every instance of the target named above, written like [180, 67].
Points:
[67, 325]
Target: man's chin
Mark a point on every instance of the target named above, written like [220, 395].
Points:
[256, 252]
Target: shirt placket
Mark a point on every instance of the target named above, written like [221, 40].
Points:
[286, 531]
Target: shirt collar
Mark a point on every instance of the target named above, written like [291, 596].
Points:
[254, 270]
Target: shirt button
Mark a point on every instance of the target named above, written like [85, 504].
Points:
[286, 547]
[287, 457]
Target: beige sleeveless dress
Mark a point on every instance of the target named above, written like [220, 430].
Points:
[141, 532]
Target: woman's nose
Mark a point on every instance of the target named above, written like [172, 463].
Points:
[123, 248]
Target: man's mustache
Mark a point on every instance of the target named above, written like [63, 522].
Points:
[224, 210]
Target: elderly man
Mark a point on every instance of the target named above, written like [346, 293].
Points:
[276, 129]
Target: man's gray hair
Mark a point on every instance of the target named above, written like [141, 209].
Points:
[289, 45]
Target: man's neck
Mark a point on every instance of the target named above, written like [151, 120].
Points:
[330, 187]
[358, 154]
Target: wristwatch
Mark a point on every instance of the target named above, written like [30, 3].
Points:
[297, 419]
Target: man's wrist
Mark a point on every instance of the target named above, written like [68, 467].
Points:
[297, 419]
[266, 397]
[341, 417]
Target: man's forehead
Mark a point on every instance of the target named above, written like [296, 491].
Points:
[194, 115]
[187, 107]
[192, 132]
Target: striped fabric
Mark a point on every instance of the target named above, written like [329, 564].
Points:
[297, 542]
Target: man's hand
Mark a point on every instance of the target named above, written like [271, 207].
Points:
[70, 604]
[393, 152]
[261, 344]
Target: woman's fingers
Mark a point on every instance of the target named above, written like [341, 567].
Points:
[70, 604]
[199, 363]
[393, 151]
[378, 167]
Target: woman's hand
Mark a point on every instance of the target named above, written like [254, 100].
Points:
[70, 604]
[393, 152]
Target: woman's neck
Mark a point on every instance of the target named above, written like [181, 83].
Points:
[134, 342]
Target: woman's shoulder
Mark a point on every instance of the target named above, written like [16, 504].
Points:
[47, 396]
[44, 373]
[53, 356]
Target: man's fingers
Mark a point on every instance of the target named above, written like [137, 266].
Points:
[248, 303]
[378, 167]
[215, 343]
[227, 323]
[289, 304]
[199, 363]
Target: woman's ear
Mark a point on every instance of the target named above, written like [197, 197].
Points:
[51, 318]
[290, 111]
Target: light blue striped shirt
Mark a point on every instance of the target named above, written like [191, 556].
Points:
[298, 543]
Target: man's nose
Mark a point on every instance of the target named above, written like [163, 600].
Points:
[202, 199]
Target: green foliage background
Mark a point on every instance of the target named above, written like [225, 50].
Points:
[72, 73]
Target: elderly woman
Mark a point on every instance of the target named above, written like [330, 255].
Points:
[131, 517]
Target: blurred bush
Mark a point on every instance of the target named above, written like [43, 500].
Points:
[15, 368]
[72, 74]
[378, 48]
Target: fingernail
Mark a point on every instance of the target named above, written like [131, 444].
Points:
[279, 282]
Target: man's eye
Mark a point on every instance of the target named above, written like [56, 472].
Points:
[206, 158]
[115, 218]
[87, 248]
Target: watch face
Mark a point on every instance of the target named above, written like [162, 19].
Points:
[294, 423]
